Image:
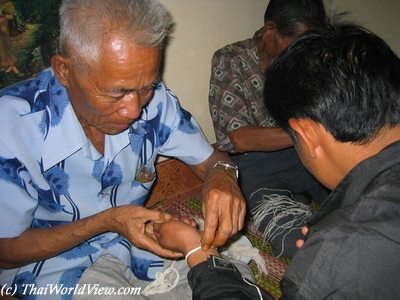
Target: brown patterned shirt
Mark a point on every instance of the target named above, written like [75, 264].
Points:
[236, 91]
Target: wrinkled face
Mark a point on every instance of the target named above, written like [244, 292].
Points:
[111, 95]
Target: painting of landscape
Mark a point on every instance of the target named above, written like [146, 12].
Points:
[28, 37]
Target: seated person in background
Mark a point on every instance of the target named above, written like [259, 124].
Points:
[79, 141]
[210, 277]
[340, 103]
[270, 169]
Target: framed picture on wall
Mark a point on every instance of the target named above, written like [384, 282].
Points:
[28, 37]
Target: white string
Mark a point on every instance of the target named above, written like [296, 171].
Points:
[191, 252]
[200, 222]
[250, 283]
[280, 206]
[163, 282]
[239, 251]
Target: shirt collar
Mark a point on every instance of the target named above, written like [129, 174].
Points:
[358, 179]
[67, 137]
[63, 140]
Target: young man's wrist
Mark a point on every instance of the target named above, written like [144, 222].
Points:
[199, 256]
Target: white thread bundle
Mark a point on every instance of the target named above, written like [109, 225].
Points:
[236, 250]
[239, 252]
[163, 282]
[280, 207]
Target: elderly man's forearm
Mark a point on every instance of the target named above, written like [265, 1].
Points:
[38, 244]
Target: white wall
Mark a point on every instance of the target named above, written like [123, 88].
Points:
[380, 16]
[203, 26]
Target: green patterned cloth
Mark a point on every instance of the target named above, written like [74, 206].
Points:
[276, 267]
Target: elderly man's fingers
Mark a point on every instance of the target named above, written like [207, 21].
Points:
[156, 227]
[238, 215]
[157, 216]
[218, 227]
[242, 215]
[189, 221]
[210, 227]
[149, 229]
[223, 216]
[224, 231]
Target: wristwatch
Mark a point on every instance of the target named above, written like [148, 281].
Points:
[217, 262]
[228, 165]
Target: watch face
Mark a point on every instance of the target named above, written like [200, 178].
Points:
[221, 263]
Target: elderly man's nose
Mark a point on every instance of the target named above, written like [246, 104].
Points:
[130, 107]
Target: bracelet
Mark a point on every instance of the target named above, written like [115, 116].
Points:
[191, 252]
[228, 165]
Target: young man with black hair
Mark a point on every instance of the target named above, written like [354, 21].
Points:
[337, 93]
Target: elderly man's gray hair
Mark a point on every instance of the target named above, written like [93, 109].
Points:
[84, 22]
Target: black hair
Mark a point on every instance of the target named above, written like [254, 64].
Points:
[344, 77]
[288, 15]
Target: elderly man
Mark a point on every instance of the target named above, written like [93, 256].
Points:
[270, 168]
[340, 102]
[78, 146]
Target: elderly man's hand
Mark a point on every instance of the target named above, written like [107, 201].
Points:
[136, 224]
[224, 208]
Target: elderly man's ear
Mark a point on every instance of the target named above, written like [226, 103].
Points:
[308, 133]
[60, 66]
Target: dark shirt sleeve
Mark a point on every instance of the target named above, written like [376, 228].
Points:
[218, 278]
[348, 261]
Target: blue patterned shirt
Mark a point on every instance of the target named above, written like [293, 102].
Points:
[51, 174]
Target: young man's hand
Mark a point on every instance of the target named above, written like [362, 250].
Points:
[304, 231]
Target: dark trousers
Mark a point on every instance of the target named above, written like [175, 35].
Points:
[278, 172]
[281, 170]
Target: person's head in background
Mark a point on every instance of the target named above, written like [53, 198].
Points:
[337, 92]
[284, 21]
[109, 58]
